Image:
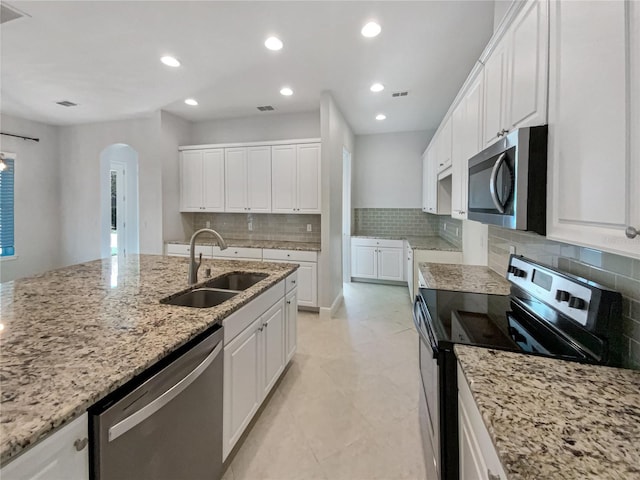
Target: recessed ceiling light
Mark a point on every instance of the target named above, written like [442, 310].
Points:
[371, 29]
[286, 91]
[191, 101]
[377, 87]
[381, 116]
[273, 43]
[170, 61]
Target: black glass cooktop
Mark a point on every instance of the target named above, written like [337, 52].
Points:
[494, 321]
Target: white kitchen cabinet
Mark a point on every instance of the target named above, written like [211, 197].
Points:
[444, 146]
[515, 75]
[410, 272]
[273, 338]
[296, 178]
[478, 457]
[377, 259]
[62, 455]
[467, 132]
[238, 253]
[307, 281]
[594, 117]
[184, 250]
[248, 179]
[436, 194]
[202, 180]
[291, 324]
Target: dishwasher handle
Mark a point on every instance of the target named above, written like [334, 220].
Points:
[145, 412]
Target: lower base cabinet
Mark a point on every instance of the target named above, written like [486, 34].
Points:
[254, 359]
[64, 454]
[377, 259]
[478, 457]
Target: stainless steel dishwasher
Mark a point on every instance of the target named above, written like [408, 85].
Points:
[167, 425]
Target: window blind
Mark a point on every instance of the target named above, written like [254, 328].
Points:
[7, 247]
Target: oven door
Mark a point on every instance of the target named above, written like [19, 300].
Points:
[430, 403]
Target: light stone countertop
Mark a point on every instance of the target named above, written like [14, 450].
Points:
[240, 242]
[73, 335]
[553, 419]
[464, 278]
[419, 242]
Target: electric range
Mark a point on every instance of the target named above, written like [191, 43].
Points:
[548, 312]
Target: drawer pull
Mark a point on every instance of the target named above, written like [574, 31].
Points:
[80, 444]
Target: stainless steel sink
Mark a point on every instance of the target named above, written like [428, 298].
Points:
[200, 298]
[236, 281]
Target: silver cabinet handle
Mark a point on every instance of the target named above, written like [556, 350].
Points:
[288, 302]
[492, 476]
[499, 134]
[492, 182]
[631, 232]
[80, 444]
[261, 328]
[293, 282]
[145, 412]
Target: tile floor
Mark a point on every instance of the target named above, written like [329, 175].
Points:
[347, 407]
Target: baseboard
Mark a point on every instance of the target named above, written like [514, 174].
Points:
[327, 313]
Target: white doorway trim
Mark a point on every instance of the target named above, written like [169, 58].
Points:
[346, 215]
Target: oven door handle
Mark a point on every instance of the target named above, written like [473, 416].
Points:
[422, 331]
[494, 179]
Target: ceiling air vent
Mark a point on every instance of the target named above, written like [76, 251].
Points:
[266, 108]
[400, 94]
[67, 103]
[8, 13]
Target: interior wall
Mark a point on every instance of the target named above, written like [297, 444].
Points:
[175, 132]
[80, 148]
[267, 126]
[335, 133]
[500, 8]
[387, 171]
[37, 198]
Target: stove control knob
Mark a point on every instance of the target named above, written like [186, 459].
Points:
[575, 302]
[562, 295]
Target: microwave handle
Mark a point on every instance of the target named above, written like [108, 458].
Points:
[492, 183]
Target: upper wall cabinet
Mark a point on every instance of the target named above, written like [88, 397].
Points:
[444, 145]
[295, 178]
[467, 132]
[594, 120]
[202, 180]
[515, 75]
[248, 179]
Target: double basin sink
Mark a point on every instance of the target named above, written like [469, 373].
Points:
[215, 291]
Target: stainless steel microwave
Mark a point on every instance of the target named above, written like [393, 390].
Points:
[508, 182]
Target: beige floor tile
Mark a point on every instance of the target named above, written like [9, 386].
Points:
[346, 407]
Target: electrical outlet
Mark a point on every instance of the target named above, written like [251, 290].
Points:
[308, 227]
[445, 227]
[208, 224]
[512, 249]
[250, 226]
[457, 231]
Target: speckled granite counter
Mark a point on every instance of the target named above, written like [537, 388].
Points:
[551, 419]
[275, 244]
[419, 243]
[464, 278]
[73, 335]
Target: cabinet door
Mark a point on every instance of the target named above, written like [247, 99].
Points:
[273, 338]
[409, 271]
[425, 182]
[458, 160]
[235, 163]
[242, 383]
[390, 264]
[432, 181]
[471, 461]
[444, 144]
[528, 58]
[364, 261]
[259, 179]
[191, 181]
[308, 284]
[291, 324]
[213, 180]
[55, 457]
[592, 196]
[283, 178]
[495, 72]
[308, 182]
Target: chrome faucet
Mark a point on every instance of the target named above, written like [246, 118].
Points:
[193, 265]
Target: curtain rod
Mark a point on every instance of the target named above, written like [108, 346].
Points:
[20, 136]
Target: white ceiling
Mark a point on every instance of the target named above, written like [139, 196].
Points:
[105, 57]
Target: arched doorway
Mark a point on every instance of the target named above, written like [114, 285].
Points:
[119, 218]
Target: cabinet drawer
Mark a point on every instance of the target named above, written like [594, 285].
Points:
[291, 281]
[183, 250]
[291, 255]
[238, 252]
[377, 242]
